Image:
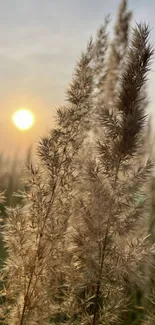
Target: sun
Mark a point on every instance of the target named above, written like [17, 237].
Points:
[23, 119]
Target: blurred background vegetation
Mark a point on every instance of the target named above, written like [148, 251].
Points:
[12, 174]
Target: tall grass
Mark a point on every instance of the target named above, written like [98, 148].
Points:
[79, 246]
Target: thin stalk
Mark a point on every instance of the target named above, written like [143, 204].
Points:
[103, 250]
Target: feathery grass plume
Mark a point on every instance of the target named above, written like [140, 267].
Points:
[74, 248]
[107, 250]
[101, 47]
[109, 56]
[101, 51]
[117, 51]
[148, 297]
[34, 233]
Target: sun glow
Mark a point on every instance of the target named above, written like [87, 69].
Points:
[23, 119]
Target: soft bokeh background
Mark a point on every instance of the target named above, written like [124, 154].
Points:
[40, 41]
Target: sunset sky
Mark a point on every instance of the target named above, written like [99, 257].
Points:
[40, 41]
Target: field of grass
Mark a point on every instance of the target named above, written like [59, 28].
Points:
[11, 181]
